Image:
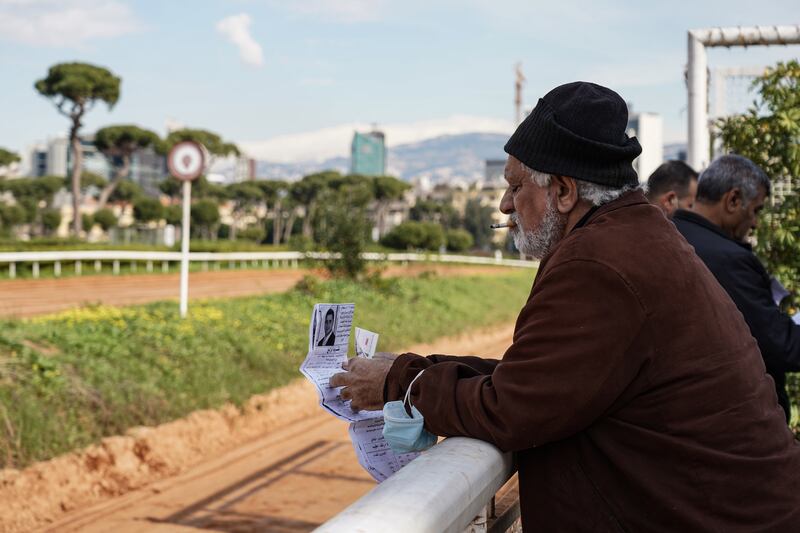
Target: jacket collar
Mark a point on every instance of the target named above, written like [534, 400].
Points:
[699, 220]
[629, 198]
[634, 197]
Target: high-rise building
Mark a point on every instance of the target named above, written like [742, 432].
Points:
[368, 154]
[648, 129]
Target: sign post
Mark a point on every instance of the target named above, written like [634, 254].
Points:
[186, 161]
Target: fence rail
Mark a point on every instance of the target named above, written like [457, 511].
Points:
[264, 259]
[442, 490]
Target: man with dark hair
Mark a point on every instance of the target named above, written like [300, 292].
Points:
[730, 194]
[630, 405]
[672, 186]
[328, 336]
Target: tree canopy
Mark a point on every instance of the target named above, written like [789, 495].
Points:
[7, 157]
[212, 142]
[119, 143]
[769, 134]
[123, 140]
[79, 84]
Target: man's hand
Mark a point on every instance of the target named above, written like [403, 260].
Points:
[363, 381]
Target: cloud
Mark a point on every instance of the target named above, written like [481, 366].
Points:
[339, 10]
[236, 29]
[335, 141]
[64, 22]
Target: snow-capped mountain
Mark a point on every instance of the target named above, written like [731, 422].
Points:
[440, 159]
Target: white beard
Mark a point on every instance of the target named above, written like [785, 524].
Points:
[537, 243]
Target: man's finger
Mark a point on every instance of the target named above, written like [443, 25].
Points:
[389, 356]
[346, 394]
[355, 407]
[341, 379]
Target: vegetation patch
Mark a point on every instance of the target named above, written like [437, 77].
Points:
[69, 379]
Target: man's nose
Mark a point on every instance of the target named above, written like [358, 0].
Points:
[506, 203]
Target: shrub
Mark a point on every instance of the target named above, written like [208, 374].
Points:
[12, 215]
[105, 218]
[205, 213]
[224, 231]
[411, 234]
[300, 243]
[459, 240]
[51, 220]
[254, 233]
[146, 209]
[173, 214]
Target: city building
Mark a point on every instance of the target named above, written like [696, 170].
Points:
[495, 170]
[368, 154]
[148, 170]
[648, 129]
[675, 152]
[54, 158]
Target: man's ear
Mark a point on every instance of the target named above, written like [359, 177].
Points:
[669, 200]
[732, 200]
[566, 191]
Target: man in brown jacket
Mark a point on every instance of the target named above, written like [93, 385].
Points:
[633, 394]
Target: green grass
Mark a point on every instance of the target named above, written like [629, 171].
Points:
[67, 380]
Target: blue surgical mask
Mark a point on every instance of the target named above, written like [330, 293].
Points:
[405, 433]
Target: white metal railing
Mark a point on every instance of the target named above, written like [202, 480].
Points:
[243, 259]
[442, 490]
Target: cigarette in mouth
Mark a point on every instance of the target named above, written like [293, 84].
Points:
[508, 224]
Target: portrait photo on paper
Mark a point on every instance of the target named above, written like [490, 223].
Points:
[326, 320]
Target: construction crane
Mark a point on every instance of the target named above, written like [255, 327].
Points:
[518, 83]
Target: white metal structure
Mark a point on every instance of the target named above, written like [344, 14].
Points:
[697, 75]
[265, 259]
[721, 79]
[442, 490]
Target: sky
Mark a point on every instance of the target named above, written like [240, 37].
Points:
[291, 79]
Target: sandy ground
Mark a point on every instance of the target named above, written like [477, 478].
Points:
[28, 297]
[279, 464]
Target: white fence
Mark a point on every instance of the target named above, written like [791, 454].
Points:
[449, 488]
[161, 260]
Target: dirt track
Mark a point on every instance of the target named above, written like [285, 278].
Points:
[28, 297]
[270, 476]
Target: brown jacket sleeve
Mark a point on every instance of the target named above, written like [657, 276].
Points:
[479, 364]
[566, 366]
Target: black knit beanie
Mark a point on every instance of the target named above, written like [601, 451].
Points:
[578, 130]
